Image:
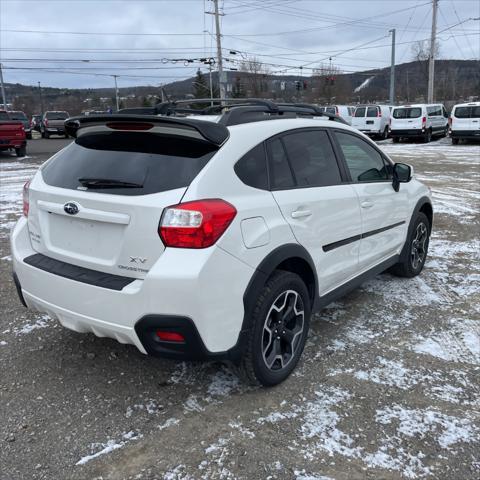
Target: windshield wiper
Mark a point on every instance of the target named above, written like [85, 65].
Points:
[107, 183]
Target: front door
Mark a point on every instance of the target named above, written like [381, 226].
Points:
[384, 212]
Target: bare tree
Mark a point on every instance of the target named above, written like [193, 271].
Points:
[326, 79]
[256, 76]
[421, 50]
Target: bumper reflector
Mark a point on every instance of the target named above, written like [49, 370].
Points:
[165, 336]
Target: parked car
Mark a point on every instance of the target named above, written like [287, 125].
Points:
[12, 134]
[418, 121]
[36, 122]
[373, 120]
[464, 122]
[343, 111]
[200, 240]
[53, 124]
[21, 117]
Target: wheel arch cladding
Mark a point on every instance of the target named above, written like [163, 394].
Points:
[424, 205]
[290, 257]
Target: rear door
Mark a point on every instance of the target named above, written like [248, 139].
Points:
[358, 120]
[461, 118]
[373, 119]
[321, 209]
[383, 211]
[407, 118]
[98, 202]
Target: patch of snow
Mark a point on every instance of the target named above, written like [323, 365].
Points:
[446, 430]
[109, 446]
[302, 475]
[364, 84]
[3, 342]
[223, 383]
[42, 322]
[169, 423]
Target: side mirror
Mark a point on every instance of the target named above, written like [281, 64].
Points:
[402, 173]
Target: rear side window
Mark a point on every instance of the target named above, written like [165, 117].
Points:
[312, 158]
[280, 173]
[148, 162]
[372, 111]
[251, 169]
[434, 111]
[407, 112]
[363, 161]
[360, 112]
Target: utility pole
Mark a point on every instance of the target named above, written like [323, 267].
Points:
[116, 92]
[41, 97]
[4, 98]
[221, 77]
[392, 69]
[431, 57]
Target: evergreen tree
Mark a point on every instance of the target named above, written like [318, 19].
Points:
[200, 86]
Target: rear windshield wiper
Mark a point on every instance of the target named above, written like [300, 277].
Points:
[107, 183]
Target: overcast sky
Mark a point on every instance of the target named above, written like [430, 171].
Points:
[138, 39]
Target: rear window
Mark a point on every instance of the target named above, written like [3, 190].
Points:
[407, 112]
[17, 116]
[4, 116]
[372, 111]
[360, 112]
[155, 162]
[467, 112]
[331, 110]
[57, 115]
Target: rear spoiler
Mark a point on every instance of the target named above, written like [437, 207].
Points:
[210, 131]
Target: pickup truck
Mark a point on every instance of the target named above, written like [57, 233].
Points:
[12, 135]
[53, 123]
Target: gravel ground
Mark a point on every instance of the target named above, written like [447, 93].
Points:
[388, 387]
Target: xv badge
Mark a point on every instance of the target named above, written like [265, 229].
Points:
[138, 260]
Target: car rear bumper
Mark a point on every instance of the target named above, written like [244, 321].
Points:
[192, 290]
[465, 134]
[12, 143]
[408, 133]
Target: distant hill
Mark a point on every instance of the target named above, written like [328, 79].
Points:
[455, 80]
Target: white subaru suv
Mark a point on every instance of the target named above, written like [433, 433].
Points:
[193, 239]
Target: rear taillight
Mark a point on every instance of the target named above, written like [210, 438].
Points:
[45, 122]
[26, 200]
[379, 113]
[450, 121]
[197, 224]
[424, 121]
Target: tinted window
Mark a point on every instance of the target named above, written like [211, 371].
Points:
[475, 112]
[331, 110]
[157, 162]
[363, 161]
[4, 116]
[407, 112]
[17, 116]
[280, 173]
[467, 112]
[372, 111]
[434, 111]
[312, 159]
[360, 112]
[56, 115]
[252, 169]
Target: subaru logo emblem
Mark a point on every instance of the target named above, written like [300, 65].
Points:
[71, 208]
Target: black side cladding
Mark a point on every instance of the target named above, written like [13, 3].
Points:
[79, 274]
[212, 132]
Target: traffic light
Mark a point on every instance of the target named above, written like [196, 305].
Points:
[304, 85]
[297, 85]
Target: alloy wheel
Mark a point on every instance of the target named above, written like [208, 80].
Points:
[282, 330]
[419, 245]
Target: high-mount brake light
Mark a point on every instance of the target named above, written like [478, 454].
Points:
[130, 126]
[197, 224]
[26, 199]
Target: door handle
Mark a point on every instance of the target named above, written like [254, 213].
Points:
[366, 204]
[301, 213]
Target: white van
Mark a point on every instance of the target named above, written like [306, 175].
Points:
[419, 121]
[465, 122]
[344, 111]
[372, 120]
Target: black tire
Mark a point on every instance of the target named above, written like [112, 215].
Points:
[29, 136]
[46, 134]
[66, 135]
[384, 135]
[411, 265]
[286, 290]
[21, 152]
[396, 139]
[427, 137]
[455, 141]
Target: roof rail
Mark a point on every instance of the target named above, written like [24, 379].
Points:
[212, 132]
[176, 106]
[244, 110]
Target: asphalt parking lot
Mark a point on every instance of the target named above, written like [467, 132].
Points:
[388, 387]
